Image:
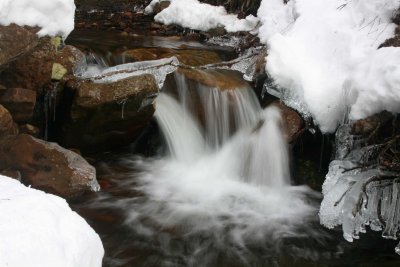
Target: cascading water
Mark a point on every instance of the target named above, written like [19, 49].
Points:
[223, 188]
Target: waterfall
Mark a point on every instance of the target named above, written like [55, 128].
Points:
[228, 119]
[224, 184]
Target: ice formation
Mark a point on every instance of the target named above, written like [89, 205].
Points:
[103, 74]
[199, 16]
[357, 196]
[322, 51]
[40, 230]
[55, 17]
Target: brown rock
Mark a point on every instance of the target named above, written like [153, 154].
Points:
[3, 89]
[105, 115]
[69, 57]
[368, 125]
[7, 125]
[292, 120]
[47, 166]
[191, 57]
[12, 174]
[160, 6]
[20, 102]
[221, 79]
[32, 70]
[15, 41]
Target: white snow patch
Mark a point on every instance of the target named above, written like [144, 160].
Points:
[40, 230]
[199, 16]
[55, 17]
[375, 84]
[319, 48]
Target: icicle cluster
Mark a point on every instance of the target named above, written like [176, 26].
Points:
[357, 193]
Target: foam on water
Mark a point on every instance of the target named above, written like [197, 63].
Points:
[225, 181]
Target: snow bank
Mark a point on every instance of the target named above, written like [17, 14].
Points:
[55, 17]
[322, 49]
[39, 229]
[374, 85]
[198, 16]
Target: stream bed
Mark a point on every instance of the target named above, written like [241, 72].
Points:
[211, 192]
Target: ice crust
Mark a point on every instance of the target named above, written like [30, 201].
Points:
[355, 196]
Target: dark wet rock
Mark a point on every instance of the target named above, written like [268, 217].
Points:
[240, 7]
[190, 57]
[29, 129]
[106, 115]
[292, 120]
[47, 166]
[15, 41]
[69, 57]
[11, 173]
[3, 89]
[32, 70]
[369, 125]
[160, 6]
[20, 102]
[394, 41]
[7, 125]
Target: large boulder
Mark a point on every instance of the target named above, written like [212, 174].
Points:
[106, 115]
[20, 102]
[31, 70]
[47, 166]
[15, 41]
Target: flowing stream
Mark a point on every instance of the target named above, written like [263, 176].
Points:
[219, 194]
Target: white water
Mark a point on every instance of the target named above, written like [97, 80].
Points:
[224, 188]
[228, 172]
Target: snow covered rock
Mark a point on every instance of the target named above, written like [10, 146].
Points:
[54, 17]
[325, 53]
[40, 230]
[47, 166]
[199, 16]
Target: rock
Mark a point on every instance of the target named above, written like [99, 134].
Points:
[394, 41]
[69, 57]
[191, 57]
[12, 174]
[7, 125]
[32, 70]
[15, 41]
[292, 120]
[29, 129]
[160, 6]
[3, 89]
[368, 125]
[20, 102]
[47, 166]
[107, 115]
[221, 79]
